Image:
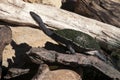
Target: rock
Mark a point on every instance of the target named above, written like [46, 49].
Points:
[8, 53]
[30, 36]
[55, 3]
[62, 74]
[5, 39]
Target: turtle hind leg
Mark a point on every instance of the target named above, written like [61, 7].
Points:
[97, 54]
[71, 49]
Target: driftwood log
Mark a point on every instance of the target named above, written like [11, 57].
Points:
[15, 72]
[107, 11]
[5, 38]
[38, 55]
[17, 12]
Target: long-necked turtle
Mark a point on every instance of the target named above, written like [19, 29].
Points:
[75, 41]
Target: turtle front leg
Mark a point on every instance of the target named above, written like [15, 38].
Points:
[71, 49]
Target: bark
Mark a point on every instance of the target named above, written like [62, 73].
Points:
[17, 12]
[38, 54]
[103, 10]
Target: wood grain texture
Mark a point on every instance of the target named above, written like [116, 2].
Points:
[17, 12]
[107, 11]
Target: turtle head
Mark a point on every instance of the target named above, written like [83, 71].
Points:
[38, 19]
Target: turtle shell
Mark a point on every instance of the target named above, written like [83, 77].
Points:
[80, 41]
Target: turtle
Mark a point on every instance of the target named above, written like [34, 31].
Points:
[75, 41]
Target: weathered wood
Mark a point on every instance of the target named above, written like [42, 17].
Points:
[107, 11]
[17, 12]
[5, 38]
[43, 68]
[15, 72]
[38, 54]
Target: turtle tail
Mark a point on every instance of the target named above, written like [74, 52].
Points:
[38, 19]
